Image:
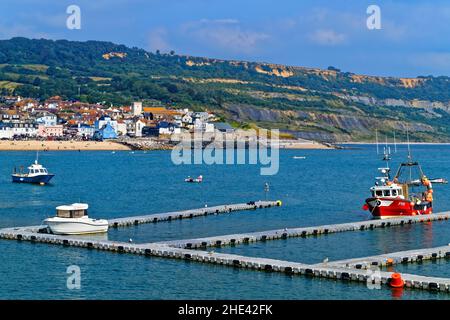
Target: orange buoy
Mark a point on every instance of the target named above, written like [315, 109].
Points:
[396, 281]
[389, 261]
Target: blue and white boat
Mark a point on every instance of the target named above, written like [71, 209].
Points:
[36, 174]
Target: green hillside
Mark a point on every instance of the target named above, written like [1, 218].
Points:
[320, 104]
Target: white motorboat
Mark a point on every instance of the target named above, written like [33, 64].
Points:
[73, 219]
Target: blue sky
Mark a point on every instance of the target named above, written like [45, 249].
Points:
[413, 39]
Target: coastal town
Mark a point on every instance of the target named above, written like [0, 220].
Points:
[58, 119]
[96, 126]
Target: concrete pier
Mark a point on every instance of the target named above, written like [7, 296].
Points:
[236, 261]
[233, 239]
[356, 269]
[188, 214]
[390, 259]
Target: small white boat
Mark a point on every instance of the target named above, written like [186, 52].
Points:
[298, 157]
[73, 219]
[199, 179]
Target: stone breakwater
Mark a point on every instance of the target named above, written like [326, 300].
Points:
[167, 144]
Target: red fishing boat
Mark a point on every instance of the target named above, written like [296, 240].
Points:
[408, 193]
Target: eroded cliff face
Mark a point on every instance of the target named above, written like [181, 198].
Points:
[322, 126]
[352, 104]
[391, 102]
[110, 55]
[274, 70]
[331, 74]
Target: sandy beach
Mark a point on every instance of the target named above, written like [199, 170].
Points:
[303, 144]
[31, 145]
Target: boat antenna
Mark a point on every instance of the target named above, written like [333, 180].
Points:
[409, 147]
[409, 153]
[386, 152]
[387, 158]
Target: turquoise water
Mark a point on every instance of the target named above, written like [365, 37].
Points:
[329, 186]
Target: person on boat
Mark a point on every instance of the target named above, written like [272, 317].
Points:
[415, 200]
[425, 181]
[429, 195]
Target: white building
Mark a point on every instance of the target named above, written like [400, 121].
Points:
[168, 128]
[203, 126]
[121, 128]
[85, 130]
[47, 120]
[52, 106]
[138, 125]
[6, 131]
[187, 119]
[104, 120]
[130, 126]
[203, 116]
[137, 108]
[9, 130]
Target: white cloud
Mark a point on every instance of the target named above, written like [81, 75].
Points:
[224, 34]
[432, 60]
[327, 37]
[157, 40]
[220, 21]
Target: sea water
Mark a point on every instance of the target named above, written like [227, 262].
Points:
[328, 186]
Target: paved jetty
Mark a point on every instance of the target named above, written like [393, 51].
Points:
[231, 260]
[233, 239]
[389, 259]
[187, 214]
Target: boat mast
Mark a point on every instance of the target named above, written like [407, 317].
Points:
[409, 147]
[376, 138]
[395, 144]
[409, 153]
[387, 157]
